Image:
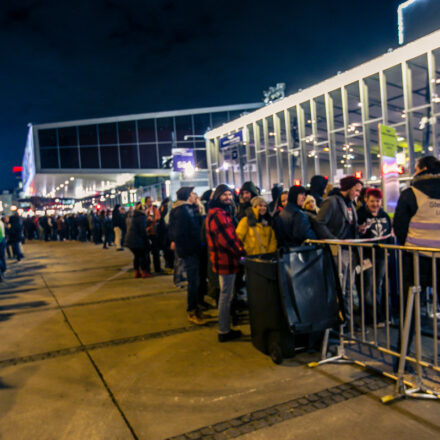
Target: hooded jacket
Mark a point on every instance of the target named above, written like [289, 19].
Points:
[428, 184]
[256, 234]
[317, 188]
[184, 229]
[243, 206]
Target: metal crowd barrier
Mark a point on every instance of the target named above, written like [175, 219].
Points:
[380, 340]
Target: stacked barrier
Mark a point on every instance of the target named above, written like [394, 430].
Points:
[416, 376]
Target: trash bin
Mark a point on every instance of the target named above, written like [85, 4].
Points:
[292, 294]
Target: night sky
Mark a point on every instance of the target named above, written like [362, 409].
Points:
[65, 60]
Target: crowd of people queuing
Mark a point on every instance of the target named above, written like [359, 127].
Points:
[203, 240]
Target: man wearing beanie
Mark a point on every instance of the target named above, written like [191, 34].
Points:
[337, 219]
[225, 251]
[247, 192]
[184, 232]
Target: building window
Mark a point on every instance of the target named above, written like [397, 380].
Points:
[49, 158]
[107, 134]
[148, 155]
[165, 157]
[202, 123]
[47, 138]
[146, 130]
[87, 135]
[127, 132]
[109, 157]
[67, 137]
[129, 156]
[184, 127]
[89, 157]
[69, 158]
[165, 129]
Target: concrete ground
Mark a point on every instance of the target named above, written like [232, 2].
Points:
[89, 352]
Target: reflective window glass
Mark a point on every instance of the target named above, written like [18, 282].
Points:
[165, 157]
[219, 118]
[127, 132]
[47, 138]
[87, 135]
[67, 136]
[146, 130]
[184, 127]
[89, 157]
[148, 155]
[164, 129]
[109, 157]
[107, 134]
[202, 123]
[49, 158]
[129, 156]
[69, 158]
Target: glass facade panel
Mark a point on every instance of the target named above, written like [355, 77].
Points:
[89, 157]
[394, 90]
[129, 156]
[148, 155]
[67, 137]
[49, 157]
[374, 101]
[47, 138]
[88, 135]
[146, 130]
[338, 118]
[219, 118]
[354, 105]
[165, 157]
[202, 123]
[109, 157]
[107, 134]
[69, 158]
[127, 132]
[165, 129]
[321, 120]
[184, 127]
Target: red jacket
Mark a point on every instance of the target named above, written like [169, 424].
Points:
[224, 246]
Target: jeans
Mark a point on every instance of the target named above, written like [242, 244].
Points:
[224, 303]
[155, 250]
[179, 270]
[3, 256]
[17, 250]
[368, 279]
[118, 236]
[348, 279]
[192, 268]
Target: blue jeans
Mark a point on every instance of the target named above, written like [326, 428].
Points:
[17, 250]
[192, 268]
[224, 304]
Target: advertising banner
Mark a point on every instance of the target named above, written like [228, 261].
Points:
[231, 140]
[389, 167]
[183, 158]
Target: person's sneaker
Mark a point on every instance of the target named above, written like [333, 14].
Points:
[137, 274]
[146, 274]
[230, 336]
[195, 318]
[202, 315]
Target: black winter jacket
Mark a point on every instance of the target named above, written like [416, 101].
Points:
[184, 229]
[293, 226]
[137, 233]
[333, 219]
[407, 204]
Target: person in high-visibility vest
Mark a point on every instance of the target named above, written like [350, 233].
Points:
[417, 224]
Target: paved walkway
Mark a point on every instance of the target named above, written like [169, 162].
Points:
[89, 352]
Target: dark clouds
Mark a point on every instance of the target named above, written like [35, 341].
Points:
[64, 60]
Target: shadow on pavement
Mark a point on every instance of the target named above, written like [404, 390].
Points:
[26, 305]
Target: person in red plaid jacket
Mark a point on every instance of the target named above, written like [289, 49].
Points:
[225, 251]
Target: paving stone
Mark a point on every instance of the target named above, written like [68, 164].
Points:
[259, 424]
[294, 403]
[246, 418]
[297, 413]
[303, 401]
[338, 398]
[246, 428]
[179, 437]
[286, 415]
[207, 430]
[373, 386]
[344, 387]
[219, 427]
[324, 393]
[219, 436]
[312, 397]
[283, 407]
[348, 394]
[208, 437]
[271, 411]
[235, 422]
[194, 435]
[232, 433]
[272, 420]
[258, 415]
[320, 405]
[308, 408]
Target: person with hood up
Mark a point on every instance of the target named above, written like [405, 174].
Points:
[225, 251]
[317, 188]
[255, 230]
[247, 191]
[137, 241]
[184, 232]
[293, 225]
[417, 224]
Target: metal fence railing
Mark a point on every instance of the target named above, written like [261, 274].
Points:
[391, 298]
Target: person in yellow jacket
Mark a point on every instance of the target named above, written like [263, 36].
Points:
[255, 230]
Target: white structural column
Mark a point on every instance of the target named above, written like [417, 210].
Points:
[277, 128]
[409, 125]
[288, 124]
[315, 134]
[331, 135]
[209, 143]
[266, 143]
[246, 137]
[363, 93]
[383, 96]
[433, 95]
[302, 142]
[257, 138]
